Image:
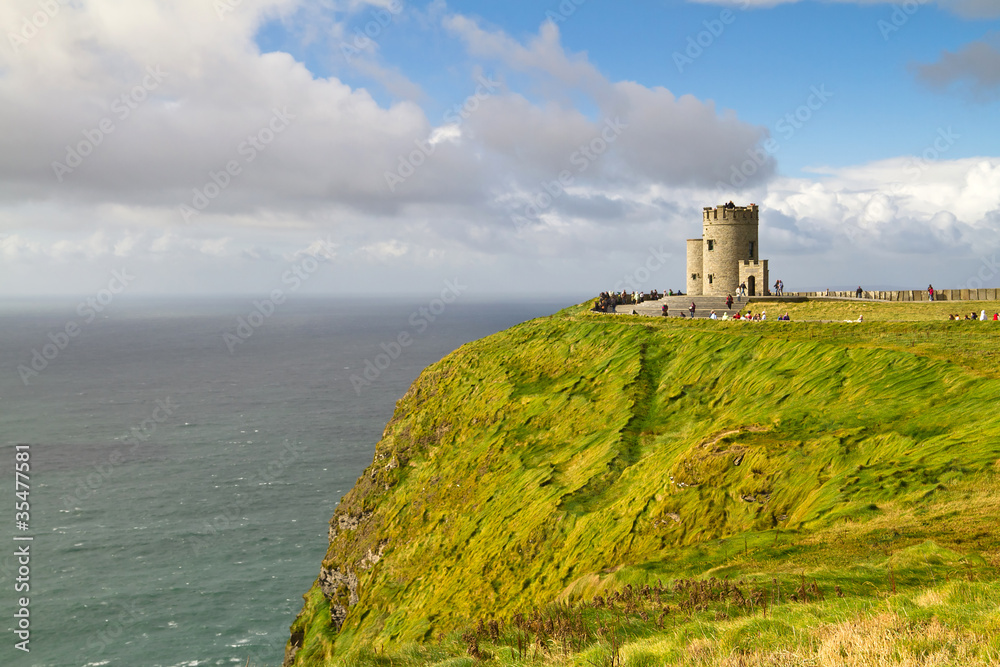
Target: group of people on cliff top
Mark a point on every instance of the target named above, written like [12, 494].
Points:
[607, 301]
[982, 316]
[749, 317]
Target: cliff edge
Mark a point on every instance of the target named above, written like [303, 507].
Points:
[572, 455]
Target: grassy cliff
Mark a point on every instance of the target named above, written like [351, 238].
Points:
[593, 489]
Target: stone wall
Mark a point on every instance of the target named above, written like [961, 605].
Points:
[694, 267]
[758, 270]
[985, 294]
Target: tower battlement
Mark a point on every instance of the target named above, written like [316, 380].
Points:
[731, 215]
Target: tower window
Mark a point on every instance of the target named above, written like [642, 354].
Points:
[711, 245]
[751, 250]
[710, 277]
[694, 276]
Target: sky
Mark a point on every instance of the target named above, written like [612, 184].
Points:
[389, 147]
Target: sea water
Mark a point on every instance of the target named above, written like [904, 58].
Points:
[181, 480]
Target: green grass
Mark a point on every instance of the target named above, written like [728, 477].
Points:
[874, 311]
[573, 456]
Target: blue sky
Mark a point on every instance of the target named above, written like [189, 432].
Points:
[895, 167]
[762, 66]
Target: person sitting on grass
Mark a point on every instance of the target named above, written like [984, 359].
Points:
[713, 316]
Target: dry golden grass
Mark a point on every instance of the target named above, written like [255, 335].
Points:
[873, 311]
[887, 639]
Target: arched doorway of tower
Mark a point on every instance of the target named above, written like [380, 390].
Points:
[751, 286]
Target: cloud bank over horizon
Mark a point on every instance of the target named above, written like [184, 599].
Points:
[165, 137]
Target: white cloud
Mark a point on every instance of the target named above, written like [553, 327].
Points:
[948, 206]
[641, 164]
[385, 250]
[157, 99]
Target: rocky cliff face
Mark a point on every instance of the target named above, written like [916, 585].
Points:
[356, 543]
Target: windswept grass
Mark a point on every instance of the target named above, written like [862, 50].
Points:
[702, 623]
[568, 460]
[874, 311]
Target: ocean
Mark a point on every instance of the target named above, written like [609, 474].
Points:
[185, 457]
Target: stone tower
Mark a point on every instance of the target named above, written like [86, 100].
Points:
[727, 254]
